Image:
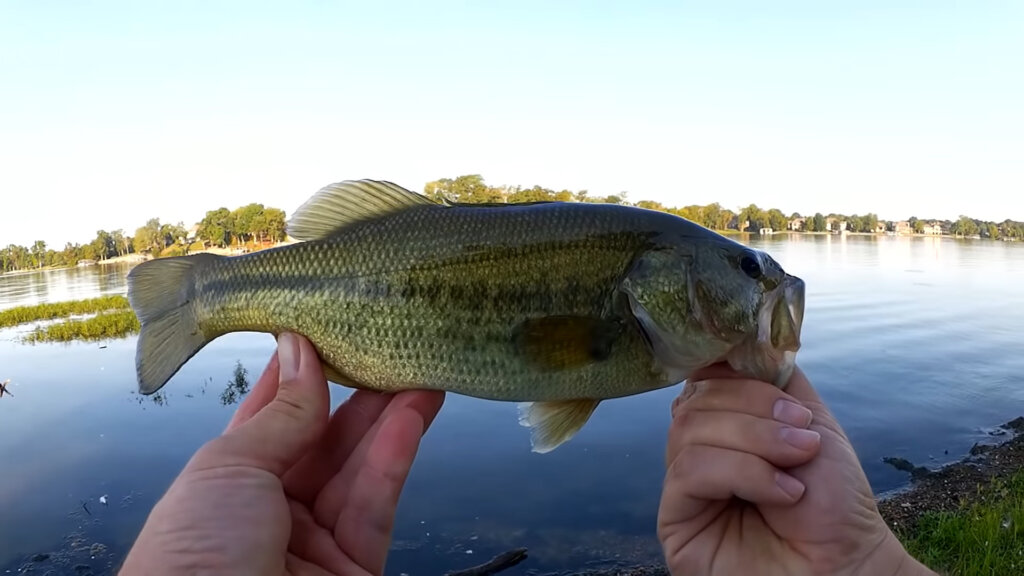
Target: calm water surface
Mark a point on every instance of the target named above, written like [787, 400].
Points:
[914, 342]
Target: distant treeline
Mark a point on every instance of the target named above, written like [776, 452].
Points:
[250, 224]
[255, 224]
[472, 188]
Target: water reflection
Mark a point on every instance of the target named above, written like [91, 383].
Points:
[237, 387]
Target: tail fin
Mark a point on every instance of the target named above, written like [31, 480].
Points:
[162, 293]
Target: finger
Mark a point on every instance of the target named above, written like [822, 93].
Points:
[363, 528]
[260, 395]
[296, 566]
[346, 428]
[315, 545]
[701, 474]
[745, 396]
[274, 438]
[777, 443]
[335, 494]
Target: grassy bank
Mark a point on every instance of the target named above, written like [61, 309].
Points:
[115, 324]
[24, 314]
[980, 537]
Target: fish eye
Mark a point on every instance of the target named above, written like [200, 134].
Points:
[750, 266]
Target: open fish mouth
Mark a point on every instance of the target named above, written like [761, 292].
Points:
[786, 323]
[770, 356]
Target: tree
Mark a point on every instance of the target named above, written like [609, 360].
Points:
[777, 220]
[215, 227]
[148, 238]
[965, 226]
[819, 222]
[752, 218]
[39, 252]
[469, 188]
[274, 224]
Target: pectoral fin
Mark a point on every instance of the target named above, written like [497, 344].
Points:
[553, 423]
[565, 342]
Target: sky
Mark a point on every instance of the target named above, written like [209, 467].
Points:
[112, 113]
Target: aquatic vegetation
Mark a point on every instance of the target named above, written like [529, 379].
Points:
[50, 311]
[106, 325]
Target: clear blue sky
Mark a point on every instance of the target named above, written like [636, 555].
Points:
[114, 112]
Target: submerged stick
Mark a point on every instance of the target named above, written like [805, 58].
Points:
[494, 565]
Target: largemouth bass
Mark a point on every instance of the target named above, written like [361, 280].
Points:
[555, 305]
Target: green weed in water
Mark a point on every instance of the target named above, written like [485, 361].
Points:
[983, 538]
[100, 327]
[23, 314]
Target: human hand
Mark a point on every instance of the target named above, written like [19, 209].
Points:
[286, 488]
[740, 499]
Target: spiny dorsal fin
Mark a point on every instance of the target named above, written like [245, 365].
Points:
[338, 205]
[552, 424]
[565, 342]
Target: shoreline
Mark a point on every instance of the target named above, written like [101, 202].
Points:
[135, 258]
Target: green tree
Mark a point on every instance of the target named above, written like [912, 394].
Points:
[819, 222]
[965, 226]
[274, 224]
[39, 253]
[535, 194]
[752, 218]
[993, 230]
[777, 220]
[468, 188]
[148, 238]
[214, 228]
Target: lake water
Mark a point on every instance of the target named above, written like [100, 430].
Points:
[915, 343]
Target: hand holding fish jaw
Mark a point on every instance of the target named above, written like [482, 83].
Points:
[761, 481]
[289, 488]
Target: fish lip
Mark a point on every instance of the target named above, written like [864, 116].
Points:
[758, 357]
[794, 291]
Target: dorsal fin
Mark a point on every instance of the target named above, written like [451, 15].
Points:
[344, 203]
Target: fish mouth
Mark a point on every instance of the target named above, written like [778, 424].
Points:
[771, 355]
[786, 324]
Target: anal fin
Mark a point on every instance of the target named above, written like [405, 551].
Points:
[553, 423]
[337, 377]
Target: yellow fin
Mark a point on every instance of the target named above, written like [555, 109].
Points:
[344, 203]
[564, 342]
[333, 375]
[553, 423]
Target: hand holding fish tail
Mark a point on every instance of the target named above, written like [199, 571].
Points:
[289, 488]
[761, 481]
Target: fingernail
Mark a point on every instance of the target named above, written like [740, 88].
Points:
[791, 413]
[789, 485]
[288, 356]
[800, 437]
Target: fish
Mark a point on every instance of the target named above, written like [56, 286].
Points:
[556, 306]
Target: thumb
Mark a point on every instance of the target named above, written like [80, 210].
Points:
[278, 435]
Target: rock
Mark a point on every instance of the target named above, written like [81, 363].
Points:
[1017, 424]
[904, 465]
[979, 449]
